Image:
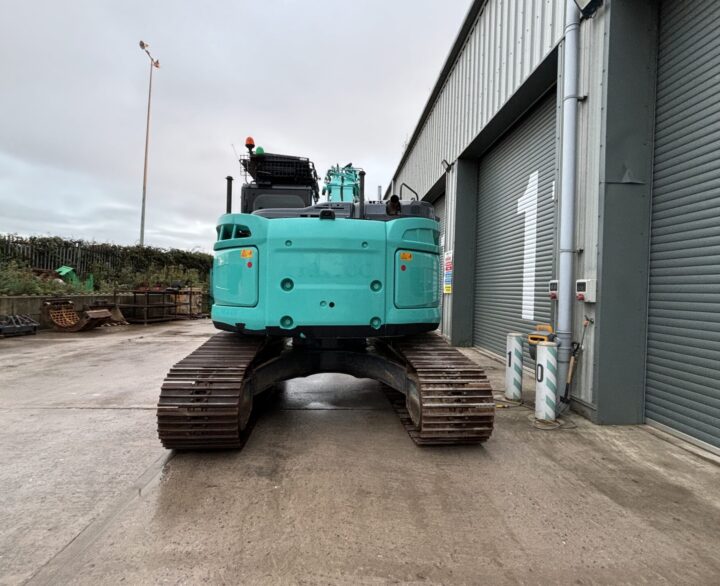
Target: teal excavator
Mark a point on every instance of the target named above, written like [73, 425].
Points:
[303, 285]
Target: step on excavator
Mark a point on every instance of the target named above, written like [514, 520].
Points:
[304, 285]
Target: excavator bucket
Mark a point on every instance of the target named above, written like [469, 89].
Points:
[65, 318]
[116, 316]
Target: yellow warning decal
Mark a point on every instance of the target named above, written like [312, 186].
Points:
[246, 253]
[406, 256]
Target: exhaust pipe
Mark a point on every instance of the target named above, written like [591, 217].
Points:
[228, 203]
[361, 213]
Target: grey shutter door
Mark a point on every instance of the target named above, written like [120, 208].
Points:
[516, 231]
[439, 206]
[683, 346]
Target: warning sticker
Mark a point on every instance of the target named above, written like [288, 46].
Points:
[448, 272]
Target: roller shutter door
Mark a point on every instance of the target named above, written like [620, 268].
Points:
[439, 206]
[516, 231]
[683, 346]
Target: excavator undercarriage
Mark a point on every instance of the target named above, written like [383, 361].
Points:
[440, 395]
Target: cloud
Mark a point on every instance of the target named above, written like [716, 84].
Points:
[332, 81]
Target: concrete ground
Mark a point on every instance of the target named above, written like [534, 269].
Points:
[329, 488]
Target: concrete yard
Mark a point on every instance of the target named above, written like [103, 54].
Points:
[329, 489]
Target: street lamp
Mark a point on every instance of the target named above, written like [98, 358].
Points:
[154, 63]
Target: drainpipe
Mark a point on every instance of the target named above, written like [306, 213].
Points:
[566, 259]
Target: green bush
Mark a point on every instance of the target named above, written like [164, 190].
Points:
[113, 267]
[16, 279]
[127, 279]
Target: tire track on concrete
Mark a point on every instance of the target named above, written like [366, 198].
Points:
[63, 566]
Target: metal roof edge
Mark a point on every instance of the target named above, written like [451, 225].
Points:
[467, 25]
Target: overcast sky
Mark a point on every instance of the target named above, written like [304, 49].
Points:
[335, 81]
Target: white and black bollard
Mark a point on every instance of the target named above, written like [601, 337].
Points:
[546, 381]
[514, 367]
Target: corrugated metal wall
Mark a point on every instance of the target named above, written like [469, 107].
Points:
[683, 351]
[516, 231]
[509, 40]
[591, 115]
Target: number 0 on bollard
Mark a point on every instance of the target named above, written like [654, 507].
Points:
[546, 381]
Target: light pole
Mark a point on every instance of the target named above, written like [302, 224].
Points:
[154, 63]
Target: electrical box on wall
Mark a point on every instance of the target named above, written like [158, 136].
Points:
[553, 289]
[586, 290]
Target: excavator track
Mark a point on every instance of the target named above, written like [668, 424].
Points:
[452, 400]
[206, 399]
[203, 403]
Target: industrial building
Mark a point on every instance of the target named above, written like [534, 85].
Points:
[583, 146]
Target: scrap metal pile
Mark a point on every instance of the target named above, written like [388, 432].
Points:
[17, 325]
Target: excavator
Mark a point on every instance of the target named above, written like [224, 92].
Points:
[304, 286]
